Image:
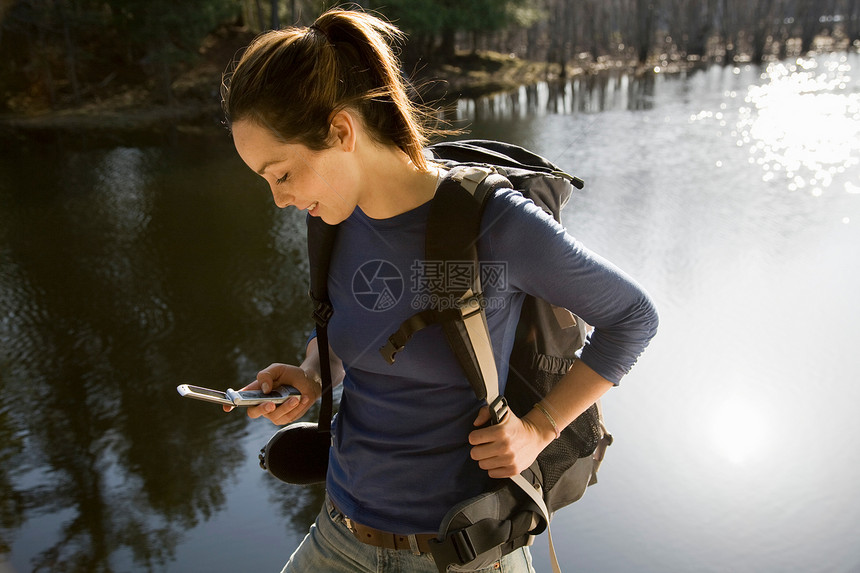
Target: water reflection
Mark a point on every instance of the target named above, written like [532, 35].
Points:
[115, 286]
[121, 178]
[585, 93]
[125, 271]
[723, 423]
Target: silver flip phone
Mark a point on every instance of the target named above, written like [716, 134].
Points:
[237, 398]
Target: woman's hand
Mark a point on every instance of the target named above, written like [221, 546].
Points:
[294, 408]
[508, 447]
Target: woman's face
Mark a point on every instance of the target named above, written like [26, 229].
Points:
[315, 181]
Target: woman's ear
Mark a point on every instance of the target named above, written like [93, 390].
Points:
[343, 129]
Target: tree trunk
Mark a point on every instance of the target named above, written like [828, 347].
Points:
[590, 19]
[260, 18]
[43, 67]
[854, 20]
[808, 16]
[293, 16]
[448, 47]
[567, 31]
[701, 26]
[762, 29]
[645, 18]
[853, 24]
[70, 53]
[556, 38]
[727, 36]
[159, 55]
[276, 17]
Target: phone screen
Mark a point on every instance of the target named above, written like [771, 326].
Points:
[208, 392]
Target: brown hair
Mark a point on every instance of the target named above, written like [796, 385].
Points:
[294, 80]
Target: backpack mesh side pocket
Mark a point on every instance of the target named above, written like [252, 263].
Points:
[527, 384]
[533, 373]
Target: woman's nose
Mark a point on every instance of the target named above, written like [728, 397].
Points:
[281, 199]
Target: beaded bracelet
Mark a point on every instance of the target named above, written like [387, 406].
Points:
[540, 407]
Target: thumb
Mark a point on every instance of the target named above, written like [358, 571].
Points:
[483, 416]
[268, 376]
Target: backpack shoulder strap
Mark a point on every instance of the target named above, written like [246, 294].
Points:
[453, 228]
[321, 237]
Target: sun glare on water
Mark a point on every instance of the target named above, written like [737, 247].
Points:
[803, 124]
[739, 429]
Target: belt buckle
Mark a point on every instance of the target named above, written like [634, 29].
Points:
[337, 515]
[349, 525]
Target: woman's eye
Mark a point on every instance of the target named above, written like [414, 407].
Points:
[282, 179]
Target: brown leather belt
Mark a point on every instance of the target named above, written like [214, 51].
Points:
[417, 544]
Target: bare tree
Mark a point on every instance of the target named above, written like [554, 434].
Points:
[70, 51]
[852, 14]
[275, 16]
[808, 13]
[599, 34]
[645, 21]
[691, 24]
[557, 37]
[762, 27]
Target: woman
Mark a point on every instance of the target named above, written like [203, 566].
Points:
[321, 113]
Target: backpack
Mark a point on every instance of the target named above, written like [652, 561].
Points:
[480, 530]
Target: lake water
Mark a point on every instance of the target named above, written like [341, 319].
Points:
[732, 194]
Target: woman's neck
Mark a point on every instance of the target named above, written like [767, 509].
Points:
[392, 184]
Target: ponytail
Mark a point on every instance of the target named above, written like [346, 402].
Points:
[294, 81]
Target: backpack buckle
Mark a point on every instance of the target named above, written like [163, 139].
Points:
[456, 547]
[391, 347]
[498, 410]
[463, 546]
[471, 304]
[322, 312]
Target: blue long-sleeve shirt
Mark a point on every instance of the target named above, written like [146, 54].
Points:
[401, 454]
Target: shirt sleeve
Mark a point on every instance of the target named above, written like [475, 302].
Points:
[545, 261]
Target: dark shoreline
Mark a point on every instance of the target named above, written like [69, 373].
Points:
[470, 76]
[107, 123]
[197, 104]
[113, 125]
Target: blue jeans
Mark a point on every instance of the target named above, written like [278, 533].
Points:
[330, 547]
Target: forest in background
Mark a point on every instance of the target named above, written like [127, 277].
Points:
[60, 54]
